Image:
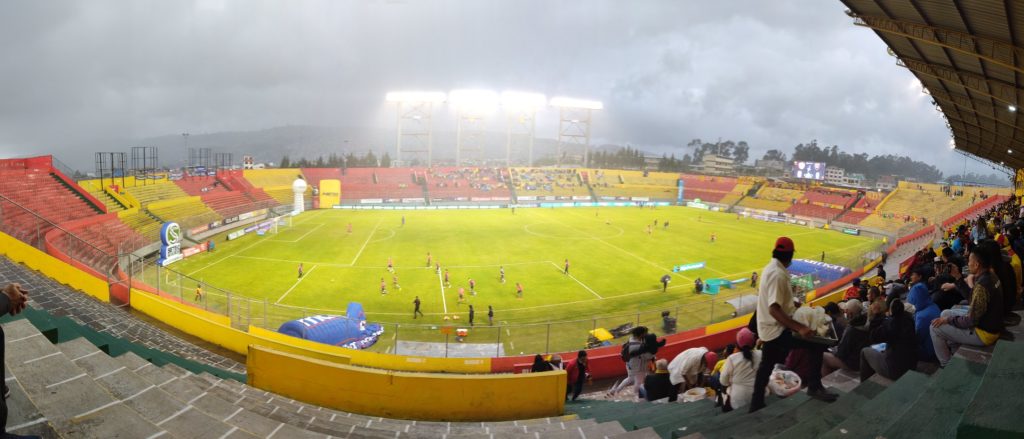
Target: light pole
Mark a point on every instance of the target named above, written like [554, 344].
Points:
[185, 136]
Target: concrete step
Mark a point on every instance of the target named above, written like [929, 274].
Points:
[893, 401]
[940, 408]
[643, 433]
[65, 395]
[995, 409]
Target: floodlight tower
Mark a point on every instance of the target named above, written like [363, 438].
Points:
[521, 109]
[414, 124]
[471, 106]
[574, 124]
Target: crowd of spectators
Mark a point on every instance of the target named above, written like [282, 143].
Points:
[480, 179]
[544, 179]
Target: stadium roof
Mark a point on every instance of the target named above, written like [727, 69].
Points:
[969, 56]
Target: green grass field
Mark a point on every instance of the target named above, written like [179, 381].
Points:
[615, 267]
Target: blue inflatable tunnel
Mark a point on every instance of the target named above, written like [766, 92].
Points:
[350, 331]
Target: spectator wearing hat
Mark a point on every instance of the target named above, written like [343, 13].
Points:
[740, 371]
[846, 354]
[688, 367]
[773, 320]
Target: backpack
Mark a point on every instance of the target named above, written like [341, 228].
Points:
[630, 349]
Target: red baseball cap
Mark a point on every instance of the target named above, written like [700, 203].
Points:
[784, 244]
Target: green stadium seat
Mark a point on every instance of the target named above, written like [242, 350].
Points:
[997, 405]
[892, 402]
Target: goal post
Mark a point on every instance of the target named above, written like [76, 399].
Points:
[284, 221]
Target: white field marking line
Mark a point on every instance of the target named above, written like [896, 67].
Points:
[577, 281]
[296, 283]
[330, 264]
[601, 240]
[392, 235]
[444, 303]
[304, 235]
[236, 253]
[366, 242]
[526, 229]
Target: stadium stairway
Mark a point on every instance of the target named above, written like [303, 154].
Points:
[75, 389]
[977, 395]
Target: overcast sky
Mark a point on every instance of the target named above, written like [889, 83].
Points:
[775, 74]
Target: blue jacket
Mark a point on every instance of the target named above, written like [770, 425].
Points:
[926, 311]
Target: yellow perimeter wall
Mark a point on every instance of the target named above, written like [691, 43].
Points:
[217, 329]
[404, 395]
[53, 268]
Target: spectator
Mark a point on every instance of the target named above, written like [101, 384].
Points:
[636, 362]
[658, 385]
[838, 319]
[924, 312]
[983, 322]
[950, 293]
[539, 365]
[556, 362]
[847, 354]
[900, 350]
[740, 370]
[773, 320]
[576, 374]
[853, 292]
[651, 344]
[688, 367]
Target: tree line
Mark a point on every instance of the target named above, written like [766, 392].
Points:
[350, 160]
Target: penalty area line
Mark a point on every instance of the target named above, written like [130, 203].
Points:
[304, 276]
[577, 281]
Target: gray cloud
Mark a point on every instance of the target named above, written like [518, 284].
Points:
[81, 74]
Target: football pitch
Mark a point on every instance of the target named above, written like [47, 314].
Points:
[616, 256]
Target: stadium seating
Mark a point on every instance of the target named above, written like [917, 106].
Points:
[314, 175]
[914, 203]
[385, 183]
[231, 204]
[187, 211]
[200, 185]
[156, 191]
[41, 193]
[99, 243]
[276, 182]
[142, 222]
[735, 194]
[564, 183]
[464, 183]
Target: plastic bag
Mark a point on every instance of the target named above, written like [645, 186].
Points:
[784, 382]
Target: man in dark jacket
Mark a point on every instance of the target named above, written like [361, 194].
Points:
[659, 385]
[900, 350]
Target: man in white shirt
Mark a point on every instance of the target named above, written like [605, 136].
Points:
[775, 309]
[689, 365]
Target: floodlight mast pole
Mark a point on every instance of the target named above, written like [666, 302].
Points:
[414, 123]
[574, 121]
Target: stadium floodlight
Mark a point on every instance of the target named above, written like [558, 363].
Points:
[470, 132]
[522, 101]
[414, 124]
[433, 97]
[473, 99]
[574, 124]
[564, 102]
[521, 109]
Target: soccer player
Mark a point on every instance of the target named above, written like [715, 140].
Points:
[437, 268]
[447, 280]
[394, 282]
[403, 220]
[428, 259]
[501, 274]
[566, 271]
[349, 228]
[664, 226]
[391, 265]
[753, 280]
[300, 270]
[519, 290]
[712, 237]
[471, 313]
[462, 295]
[383, 287]
[416, 310]
[199, 292]
[472, 287]
[490, 315]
